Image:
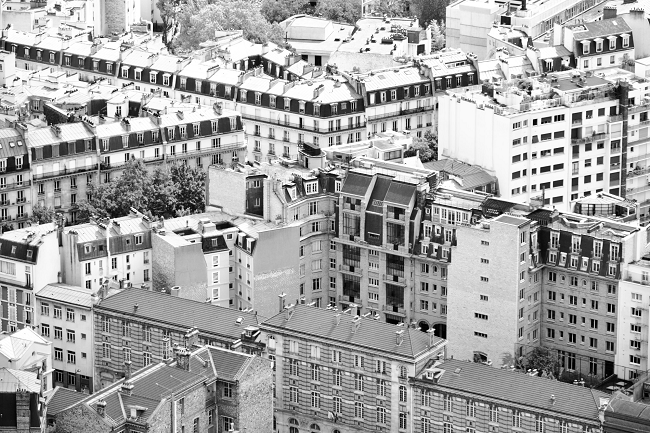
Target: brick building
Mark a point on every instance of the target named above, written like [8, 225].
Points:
[463, 396]
[135, 325]
[339, 372]
[210, 389]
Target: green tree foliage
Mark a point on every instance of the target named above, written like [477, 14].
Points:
[343, 11]
[542, 360]
[169, 10]
[41, 215]
[392, 8]
[428, 147]
[159, 194]
[429, 10]
[276, 11]
[199, 19]
[437, 35]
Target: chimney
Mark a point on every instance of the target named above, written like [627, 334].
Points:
[337, 318]
[354, 310]
[127, 388]
[182, 358]
[356, 322]
[399, 337]
[127, 370]
[101, 408]
[553, 399]
[23, 412]
[175, 291]
[609, 12]
[191, 338]
[432, 337]
[289, 311]
[281, 299]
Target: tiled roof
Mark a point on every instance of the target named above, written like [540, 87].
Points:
[372, 334]
[228, 365]
[157, 306]
[61, 398]
[637, 410]
[532, 391]
[121, 226]
[603, 28]
[67, 294]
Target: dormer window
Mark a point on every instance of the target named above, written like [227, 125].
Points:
[138, 74]
[292, 192]
[316, 109]
[227, 91]
[311, 187]
[125, 72]
[81, 62]
[39, 55]
[125, 141]
[195, 129]
[198, 85]
[612, 42]
[166, 80]
[67, 60]
[258, 98]
[152, 77]
[626, 41]
[170, 133]
[242, 96]
[287, 104]
[213, 89]
[301, 109]
[272, 101]
[406, 92]
[95, 65]
[599, 45]
[335, 109]
[183, 83]
[585, 47]
[26, 52]
[233, 123]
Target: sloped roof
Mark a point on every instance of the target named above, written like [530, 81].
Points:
[69, 132]
[531, 391]
[60, 398]
[12, 380]
[11, 143]
[228, 365]
[67, 294]
[312, 322]
[603, 28]
[356, 184]
[156, 306]
[121, 226]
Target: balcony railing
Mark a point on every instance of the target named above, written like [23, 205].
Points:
[589, 139]
[15, 185]
[302, 126]
[65, 171]
[393, 309]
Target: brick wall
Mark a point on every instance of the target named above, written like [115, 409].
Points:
[227, 189]
[80, 419]
[115, 11]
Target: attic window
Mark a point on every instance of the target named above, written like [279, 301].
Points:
[87, 248]
[30, 254]
[311, 187]
[13, 250]
[626, 41]
[215, 242]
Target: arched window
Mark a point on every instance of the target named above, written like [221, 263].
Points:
[403, 372]
[314, 428]
[293, 423]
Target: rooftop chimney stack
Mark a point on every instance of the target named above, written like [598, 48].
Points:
[356, 322]
[281, 300]
[101, 408]
[399, 337]
[191, 338]
[182, 358]
[127, 370]
[289, 311]
[337, 318]
[432, 336]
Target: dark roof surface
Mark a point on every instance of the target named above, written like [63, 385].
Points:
[373, 334]
[228, 364]
[61, 398]
[400, 193]
[639, 411]
[376, 202]
[356, 184]
[180, 312]
[519, 388]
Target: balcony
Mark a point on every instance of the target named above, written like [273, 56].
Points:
[351, 206]
[303, 126]
[351, 269]
[15, 185]
[394, 309]
[65, 172]
[592, 138]
[617, 118]
[394, 279]
[395, 216]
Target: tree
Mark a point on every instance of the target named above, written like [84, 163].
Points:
[428, 147]
[169, 10]
[391, 8]
[42, 215]
[544, 361]
[276, 11]
[343, 11]
[437, 35]
[190, 183]
[429, 10]
[199, 20]
[162, 193]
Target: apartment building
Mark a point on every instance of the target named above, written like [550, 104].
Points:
[566, 143]
[283, 116]
[209, 389]
[65, 318]
[22, 409]
[27, 351]
[135, 325]
[599, 44]
[116, 249]
[15, 194]
[468, 23]
[337, 371]
[195, 254]
[453, 395]
[483, 303]
[22, 253]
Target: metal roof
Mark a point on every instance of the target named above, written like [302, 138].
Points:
[66, 294]
[69, 132]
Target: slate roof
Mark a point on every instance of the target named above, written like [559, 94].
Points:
[400, 193]
[69, 132]
[518, 388]
[208, 318]
[11, 143]
[312, 322]
[229, 365]
[636, 410]
[603, 28]
[121, 226]
[356, 184]
[67, 294]
[61, 398]
[378, 194]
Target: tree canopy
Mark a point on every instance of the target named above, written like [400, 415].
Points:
[163, 193]
[42, 215]
[427, 146]
[429, 10]
[343, 11]
[276, 11]
[199, 19]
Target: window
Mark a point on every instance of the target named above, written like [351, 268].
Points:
[403, 394]
[358, 409]
[228, 423]
[227, 390]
